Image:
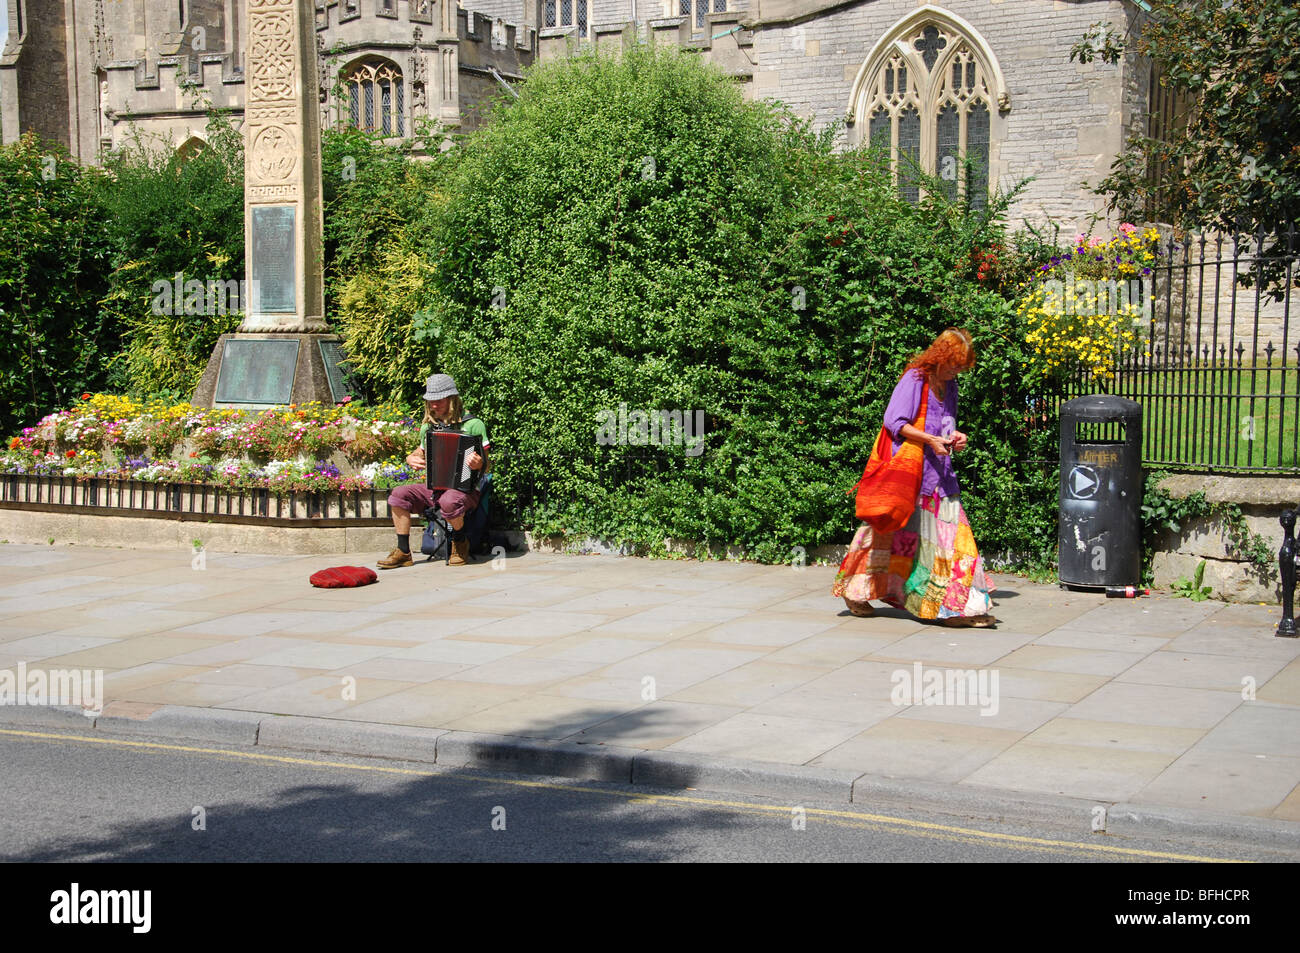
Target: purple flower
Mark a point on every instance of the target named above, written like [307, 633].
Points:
[1045, 268]
[327, 470]
[1146, 271]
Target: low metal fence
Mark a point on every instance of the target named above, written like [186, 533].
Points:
[1217, 369]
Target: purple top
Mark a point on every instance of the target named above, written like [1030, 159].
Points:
[940, 419]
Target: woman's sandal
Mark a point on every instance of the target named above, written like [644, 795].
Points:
[969, 622]
[862, 610]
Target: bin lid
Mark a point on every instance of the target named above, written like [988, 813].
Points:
[1101, 407]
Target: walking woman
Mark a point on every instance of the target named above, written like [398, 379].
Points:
[925, 563]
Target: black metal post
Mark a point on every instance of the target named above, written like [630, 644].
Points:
[1286, 563]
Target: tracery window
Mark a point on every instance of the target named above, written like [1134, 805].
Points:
[567, 13]
[928, 101]
[376, 97]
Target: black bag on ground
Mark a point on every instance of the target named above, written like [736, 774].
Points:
[436, 543]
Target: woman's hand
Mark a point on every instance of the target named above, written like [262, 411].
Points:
[415, 458]
[474, 460]
[938, 444]
[959, 440]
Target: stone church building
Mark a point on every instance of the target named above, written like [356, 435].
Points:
[986, 79]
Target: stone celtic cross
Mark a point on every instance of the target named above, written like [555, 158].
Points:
[282, 185]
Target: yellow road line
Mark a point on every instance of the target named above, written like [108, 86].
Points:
[843, 818]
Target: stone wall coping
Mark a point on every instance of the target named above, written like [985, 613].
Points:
[1242, 490]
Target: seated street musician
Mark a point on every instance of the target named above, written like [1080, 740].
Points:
[443, 410]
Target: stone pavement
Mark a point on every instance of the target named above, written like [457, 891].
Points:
[1140, 702]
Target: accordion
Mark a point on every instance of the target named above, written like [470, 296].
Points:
[446, 464]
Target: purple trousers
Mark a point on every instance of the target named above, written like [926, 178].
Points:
[416, 498]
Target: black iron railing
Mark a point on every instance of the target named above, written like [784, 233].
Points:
[1217, 370]
[192, 500]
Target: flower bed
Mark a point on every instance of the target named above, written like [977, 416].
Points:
[304, 448]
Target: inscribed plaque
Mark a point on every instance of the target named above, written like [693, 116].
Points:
[257, 372]
[272, 268]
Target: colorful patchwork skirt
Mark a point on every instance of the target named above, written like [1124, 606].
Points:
[929, 568]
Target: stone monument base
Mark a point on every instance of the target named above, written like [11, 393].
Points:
[256, 371]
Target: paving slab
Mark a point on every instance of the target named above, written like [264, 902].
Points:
[925, 750]
[1079, 770]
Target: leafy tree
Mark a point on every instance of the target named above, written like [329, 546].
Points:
[1234, 164]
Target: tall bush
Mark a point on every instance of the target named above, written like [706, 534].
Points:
[631, 232]
[54, 260]
[375, 200]
[172, 214]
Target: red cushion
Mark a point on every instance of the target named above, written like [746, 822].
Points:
[343, 577]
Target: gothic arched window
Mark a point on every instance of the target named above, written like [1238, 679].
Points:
[376, 98]
[926, 95]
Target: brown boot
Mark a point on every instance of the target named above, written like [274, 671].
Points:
[459, 550]
[395, 560]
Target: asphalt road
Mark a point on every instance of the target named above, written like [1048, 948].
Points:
[69, 798]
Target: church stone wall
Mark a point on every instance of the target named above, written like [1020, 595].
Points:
[95, 74]
[119, 66]
[35, 84]
[1066, 120]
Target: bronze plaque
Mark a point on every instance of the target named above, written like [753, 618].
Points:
[257, 371]
[272, 268]
[336, 369]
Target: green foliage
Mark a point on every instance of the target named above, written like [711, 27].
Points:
[1233, 165]
[53, 268]
[375, 201]
[170, 214]
[629, 231]
[1192, 588]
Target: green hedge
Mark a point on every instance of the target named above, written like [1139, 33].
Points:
[54, 262]
[632, 232]
[170, 214]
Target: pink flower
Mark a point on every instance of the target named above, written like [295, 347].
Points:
[1127, 229]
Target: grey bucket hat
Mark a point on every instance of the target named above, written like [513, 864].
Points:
[439, 386]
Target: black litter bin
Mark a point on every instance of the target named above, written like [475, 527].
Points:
[1101, 492]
